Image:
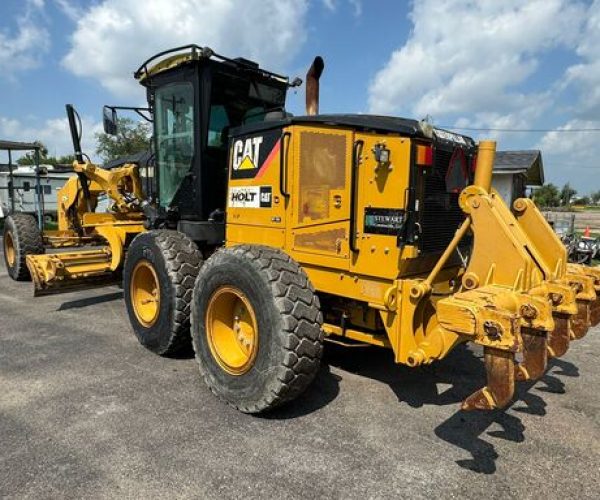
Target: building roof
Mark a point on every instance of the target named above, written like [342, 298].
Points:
[17, 169]
[527, 162]
[142, 159]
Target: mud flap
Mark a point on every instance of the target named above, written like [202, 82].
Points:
[500, 388]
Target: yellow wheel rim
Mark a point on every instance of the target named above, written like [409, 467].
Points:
[232, 330]
[9, 249]
[145, 293]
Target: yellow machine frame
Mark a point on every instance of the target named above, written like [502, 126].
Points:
[516, 295]
[80, 226]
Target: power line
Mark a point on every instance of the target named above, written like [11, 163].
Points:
[519, 130]
[584, 167]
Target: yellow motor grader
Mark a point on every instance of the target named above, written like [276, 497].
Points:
[100, 238]
[270, 233]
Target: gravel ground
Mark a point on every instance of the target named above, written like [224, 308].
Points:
[85, 411]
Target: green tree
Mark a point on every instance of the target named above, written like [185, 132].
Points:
[584, 200]
[29, 157]
[65, 160]
[595, 197]
[132, 137]
[547, 196]
[566, 193]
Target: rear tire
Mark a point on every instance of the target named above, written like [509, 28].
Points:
[22, 237]
[158, 280]
[283, 359]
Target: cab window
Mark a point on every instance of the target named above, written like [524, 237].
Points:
[219, 121]
[174, 117]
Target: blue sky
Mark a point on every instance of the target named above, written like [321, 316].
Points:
[483, 64]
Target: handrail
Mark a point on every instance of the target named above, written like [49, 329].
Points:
[283, 165]
[206, 52]
[356, 152]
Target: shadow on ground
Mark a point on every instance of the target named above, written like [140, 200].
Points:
[447, 382]
[321, 392]
[460, 374]
[90, 301]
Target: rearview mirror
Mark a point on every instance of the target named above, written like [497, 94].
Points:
[109, 120]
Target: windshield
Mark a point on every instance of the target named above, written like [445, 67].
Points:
[174, 116]
[239, 99]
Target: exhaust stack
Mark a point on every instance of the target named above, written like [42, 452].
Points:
[485, 165]
[312, 86]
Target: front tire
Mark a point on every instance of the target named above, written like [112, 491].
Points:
[256, 327]
[21, 238]
[158, 280]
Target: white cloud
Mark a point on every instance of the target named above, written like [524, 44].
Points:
[329, 4]
[356, 5]
[574, 145]
[585, 75]
[70, 9]
[22, 49]
[468, 64]
[465, 58]
[114, 36]
[37, 3]
[573, 156]
[53, 133]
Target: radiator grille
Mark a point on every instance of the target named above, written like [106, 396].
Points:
[440, 213]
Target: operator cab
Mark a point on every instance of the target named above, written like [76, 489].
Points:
[195, 97]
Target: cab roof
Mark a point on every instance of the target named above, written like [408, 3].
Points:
[188, 54]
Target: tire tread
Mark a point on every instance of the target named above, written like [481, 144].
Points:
[296, 300]
[182, 261]
[29, 241]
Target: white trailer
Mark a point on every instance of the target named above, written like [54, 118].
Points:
[22, 196]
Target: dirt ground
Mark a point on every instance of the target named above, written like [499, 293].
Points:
[85, 411]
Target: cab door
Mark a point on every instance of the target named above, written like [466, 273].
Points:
[177, 146]
[320, 201]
